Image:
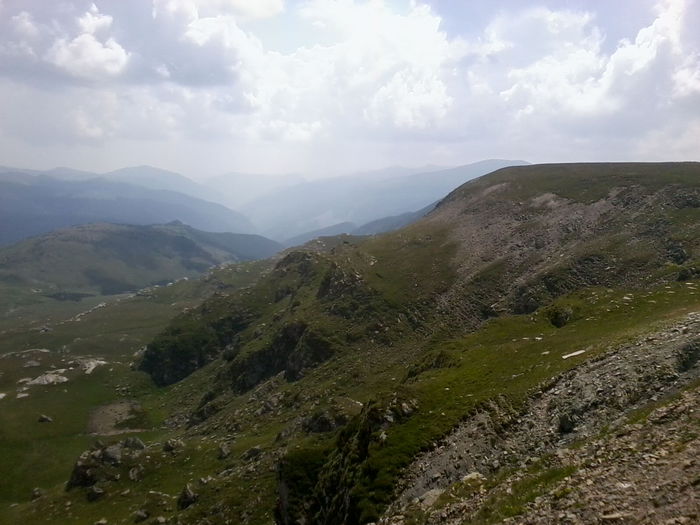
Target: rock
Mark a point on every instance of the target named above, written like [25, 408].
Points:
[615, 516]
[95, 493]
[161, 519]
[50, 378]
[172, 445]
[187, 497]
[566, 423]
[43, 418]
[325, 421]
[133, 443]
[474, 477]
[251, 453]
[102, 521]
[37, 493]
[113, 454]
[140, 515]
[224, 451]
[430, 497]
[136, 473]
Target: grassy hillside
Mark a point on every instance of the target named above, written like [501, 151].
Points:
[103, 259]
[64, 340]
[311, 395]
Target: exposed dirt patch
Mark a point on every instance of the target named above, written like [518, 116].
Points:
[113, 419]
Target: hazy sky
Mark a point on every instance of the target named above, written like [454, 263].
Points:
[208, 86]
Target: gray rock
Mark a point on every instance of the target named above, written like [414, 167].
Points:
[43, 418]
[187, 497]
[224, 451]
[112, 454]
[136, 473]
[140, 515]
[172, 445]
[251, 453]
[431, 497]
[133, 443]
[94, 493]
[37, 493]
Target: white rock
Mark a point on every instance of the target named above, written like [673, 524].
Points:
[48, 379]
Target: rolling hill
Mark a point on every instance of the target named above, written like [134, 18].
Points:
[102, 259]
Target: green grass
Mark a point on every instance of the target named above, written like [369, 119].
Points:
[42, 454]
[587, 183]
[507, 505]
[505, 359]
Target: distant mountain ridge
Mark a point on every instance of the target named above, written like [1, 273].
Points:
[315, 205]
[287, 208]
[112, 258]
[34, 204]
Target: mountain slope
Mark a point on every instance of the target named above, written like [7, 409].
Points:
[160, 179]
[30, 205]
[335, 229]
[334, 388]
[110, 258]
[387, 224]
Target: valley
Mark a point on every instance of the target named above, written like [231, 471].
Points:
[469, 367]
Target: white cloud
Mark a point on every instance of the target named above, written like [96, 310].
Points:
[245, 9]
[540, 83]
[85, 56]
[25, 26]
[93, 21]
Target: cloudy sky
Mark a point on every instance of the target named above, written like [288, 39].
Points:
[326, 86]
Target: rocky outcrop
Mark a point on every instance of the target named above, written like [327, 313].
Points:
[104, 463]
[575, 406]
[295, 347]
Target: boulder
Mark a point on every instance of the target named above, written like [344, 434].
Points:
[172, 445]
[113, 454]
[133, 443]
[251, 453]
[224, 451]
[94, 493]
[43, 418]
[187, 497]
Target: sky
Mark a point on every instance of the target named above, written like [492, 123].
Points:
[320, 87]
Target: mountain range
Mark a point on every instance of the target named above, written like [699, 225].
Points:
[357, 199]
[283, 207]
[515, 355]
[33, 204]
